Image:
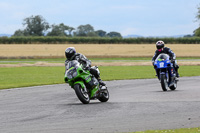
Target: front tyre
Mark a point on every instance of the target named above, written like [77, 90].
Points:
[163, 80]
[82, 94]
[104, 96]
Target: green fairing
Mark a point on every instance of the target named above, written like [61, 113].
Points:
[82, 75]
[81, 83]
[93, 92]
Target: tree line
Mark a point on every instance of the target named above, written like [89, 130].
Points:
[94, 40]
[38, 26]
[197, 31]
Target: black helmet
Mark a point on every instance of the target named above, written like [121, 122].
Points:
[160, 44]
[69, 52]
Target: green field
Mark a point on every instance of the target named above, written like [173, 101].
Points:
[12, 77]
[62, 60]
[184, 130]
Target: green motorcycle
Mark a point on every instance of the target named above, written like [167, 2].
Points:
[86, 86]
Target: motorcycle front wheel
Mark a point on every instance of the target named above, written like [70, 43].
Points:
[163, 80]
[82, 94]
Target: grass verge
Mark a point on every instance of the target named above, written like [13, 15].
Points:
[183, 130]
[30, 76]
[13, 77]
[62, 60]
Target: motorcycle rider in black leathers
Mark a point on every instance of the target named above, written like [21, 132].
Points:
[71, 54]
[160, 45]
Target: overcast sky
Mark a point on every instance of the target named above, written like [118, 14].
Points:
[129, 17]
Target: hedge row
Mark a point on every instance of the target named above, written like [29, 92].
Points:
[99, 40]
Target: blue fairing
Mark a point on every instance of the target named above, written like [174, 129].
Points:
[162, 61]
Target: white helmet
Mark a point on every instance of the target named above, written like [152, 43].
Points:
[160, 44]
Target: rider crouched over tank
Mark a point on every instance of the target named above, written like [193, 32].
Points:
[160, 45]
[71, 54]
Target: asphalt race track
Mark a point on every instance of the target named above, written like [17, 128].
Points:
[134, 105]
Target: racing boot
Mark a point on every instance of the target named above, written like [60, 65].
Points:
[177, 75]
[101, 82]
[176, 69]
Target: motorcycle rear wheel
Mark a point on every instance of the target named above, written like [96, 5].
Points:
[81, 94]
[164, 84]
[104, 96]
[174, 86]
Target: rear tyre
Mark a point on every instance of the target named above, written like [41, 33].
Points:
[174, 86]
[104, 96]
[82, 95]
[164, 84]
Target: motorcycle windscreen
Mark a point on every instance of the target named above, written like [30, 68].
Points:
[162, 57]
[71, 64]
[162, 61]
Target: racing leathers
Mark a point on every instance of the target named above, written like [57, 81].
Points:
[172, 55]
[86, 65]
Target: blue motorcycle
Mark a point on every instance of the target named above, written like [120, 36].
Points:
[165, 72]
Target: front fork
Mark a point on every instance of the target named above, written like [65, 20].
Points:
[169, 73]
[82, 85]
[159, 72]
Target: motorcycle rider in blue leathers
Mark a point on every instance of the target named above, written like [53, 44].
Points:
[160, 45]
[71, 54]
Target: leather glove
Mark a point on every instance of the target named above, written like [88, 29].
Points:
[87, 67]
[153, 63]
[172, 61]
